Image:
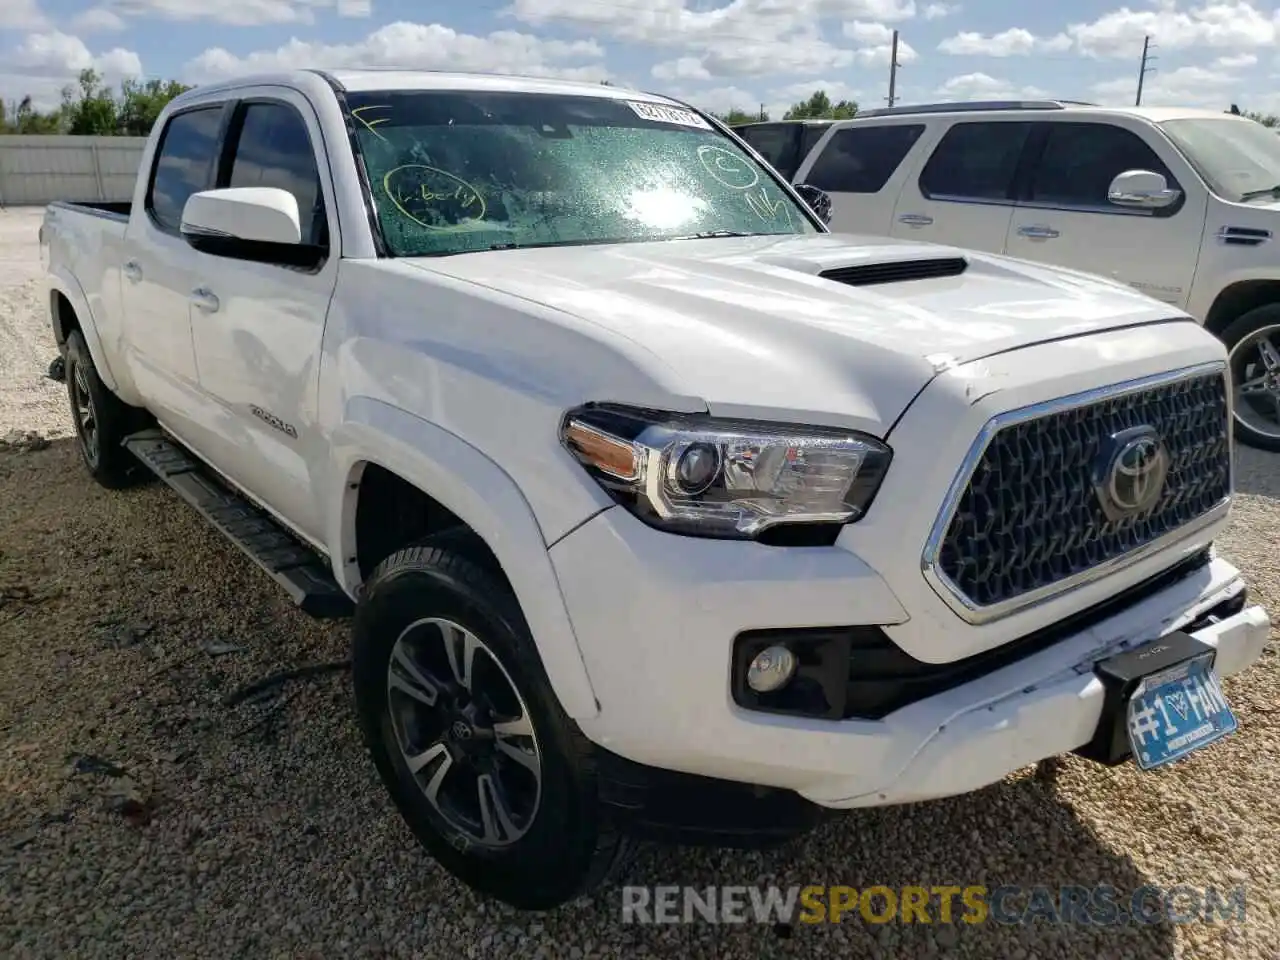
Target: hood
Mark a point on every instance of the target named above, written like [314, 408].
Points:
[749, 325]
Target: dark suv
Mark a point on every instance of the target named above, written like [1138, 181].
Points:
[783, 143]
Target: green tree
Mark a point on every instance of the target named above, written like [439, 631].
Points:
[820, 107]
[25, 118]
[141, 103]
[736, 117]
[90, 109]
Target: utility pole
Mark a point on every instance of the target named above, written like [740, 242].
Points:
[1144, 70]
[893, 70]
[762, 113]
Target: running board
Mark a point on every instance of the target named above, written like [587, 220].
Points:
[300, 570]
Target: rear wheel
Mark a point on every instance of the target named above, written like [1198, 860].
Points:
[493, 778]
[102, 420]
[1253, 342]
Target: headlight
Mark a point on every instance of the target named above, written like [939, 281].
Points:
[726, 478]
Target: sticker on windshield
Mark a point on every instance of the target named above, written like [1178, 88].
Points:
[661, 113]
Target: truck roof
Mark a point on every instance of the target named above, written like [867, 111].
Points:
[356, 80]
[1068, 107]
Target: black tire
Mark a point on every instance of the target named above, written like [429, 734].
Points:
[1239, 338]
[569, 847]
[111, 420]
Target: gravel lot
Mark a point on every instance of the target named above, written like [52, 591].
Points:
[142, 817]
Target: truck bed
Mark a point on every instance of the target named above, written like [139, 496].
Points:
[109, 209]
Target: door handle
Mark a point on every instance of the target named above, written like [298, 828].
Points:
[205, 299]
[916, 219]
[132, 271]
[1038, 233]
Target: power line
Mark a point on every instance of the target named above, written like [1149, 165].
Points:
[1144, 69]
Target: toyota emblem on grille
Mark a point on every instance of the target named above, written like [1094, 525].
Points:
[1132, 469]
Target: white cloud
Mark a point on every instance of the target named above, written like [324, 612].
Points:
[1183, 87]
[981, 86]
[97, 20]
[241, 13]
[1014, 42]
[868, 33]
[418, 46]
[46, 62]
[1236, 61]
[936, 11]
[682, 68]
[1234, 23]
[21, 15]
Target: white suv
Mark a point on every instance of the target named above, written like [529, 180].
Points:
[1180, 204]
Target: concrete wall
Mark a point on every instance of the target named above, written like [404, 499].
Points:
[40, 169]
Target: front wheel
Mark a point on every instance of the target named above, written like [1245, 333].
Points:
[1253, 343]
[467, 735]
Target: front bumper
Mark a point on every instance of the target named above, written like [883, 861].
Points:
[655, 616]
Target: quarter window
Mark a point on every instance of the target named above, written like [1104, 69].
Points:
[975, 161]
[274, 150]
[184, 164]
[862, 159]
[1081, 159]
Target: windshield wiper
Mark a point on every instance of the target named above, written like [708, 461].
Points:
[1255, 194]
[714, 235]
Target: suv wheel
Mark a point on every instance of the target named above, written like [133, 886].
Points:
[493, 778]
[1253, 342]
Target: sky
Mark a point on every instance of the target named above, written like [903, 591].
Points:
[717, 54]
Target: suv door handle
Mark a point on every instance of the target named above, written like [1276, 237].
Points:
[916, 219]
[1038, 232]
[205, 299]
[132, 271]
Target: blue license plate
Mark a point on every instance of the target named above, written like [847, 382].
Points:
[1176, 711]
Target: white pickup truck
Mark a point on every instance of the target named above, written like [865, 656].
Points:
[662, 510]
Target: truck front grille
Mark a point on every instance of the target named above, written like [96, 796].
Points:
[1030, 516]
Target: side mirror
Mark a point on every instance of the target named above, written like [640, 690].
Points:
[819, 201]
[1141, 189]
[248, 223]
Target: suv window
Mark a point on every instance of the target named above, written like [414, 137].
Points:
[862, 159]
[274, 150]
[1081, 159]
[184, 164]
[975, 161]
[776, 143]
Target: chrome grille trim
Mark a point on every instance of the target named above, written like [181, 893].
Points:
[977, 614]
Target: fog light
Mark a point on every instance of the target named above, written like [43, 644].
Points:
[771, 668]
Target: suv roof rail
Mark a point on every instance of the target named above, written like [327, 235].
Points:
[974, 106]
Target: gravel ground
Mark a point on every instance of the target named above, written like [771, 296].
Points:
[141, 816]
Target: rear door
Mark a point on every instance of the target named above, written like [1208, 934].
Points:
[862, 168]
[964, 192]
[1064, 218]
[157, 267]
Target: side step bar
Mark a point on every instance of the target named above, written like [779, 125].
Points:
[297, 568]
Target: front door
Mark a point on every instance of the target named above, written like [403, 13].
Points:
[258, 326]
[1066, 220]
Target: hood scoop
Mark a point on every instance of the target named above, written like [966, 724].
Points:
[897, 271]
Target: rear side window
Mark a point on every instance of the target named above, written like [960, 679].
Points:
[273, 149]
[1081, 159]
[184, 164]
[777, 144]
[862, 159]
[810, 134]
[975, 161]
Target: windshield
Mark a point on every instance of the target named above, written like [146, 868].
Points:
[1233, 156]
[459, 171]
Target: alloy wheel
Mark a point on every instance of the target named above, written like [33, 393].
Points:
[464, 732]
[1255, 369]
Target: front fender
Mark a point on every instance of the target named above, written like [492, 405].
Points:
[479, 492]
[59, 279]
